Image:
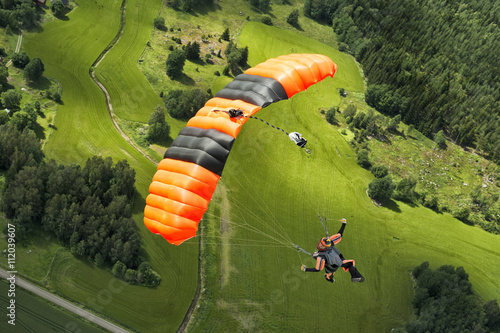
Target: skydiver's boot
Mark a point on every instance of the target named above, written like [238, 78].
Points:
[355, 275]
[329, 278]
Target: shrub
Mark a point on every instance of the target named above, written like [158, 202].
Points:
[380, 171]
[330, 116]
[363, 160]
[159, 23]
[381, 188]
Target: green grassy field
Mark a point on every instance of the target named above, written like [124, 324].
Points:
[275, 188]
[68, 48]
[269, 197]
[36, 315]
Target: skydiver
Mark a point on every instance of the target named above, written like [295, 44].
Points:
[330, 258]
[298, 139]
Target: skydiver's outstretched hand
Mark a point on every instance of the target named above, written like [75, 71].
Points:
[303, 268]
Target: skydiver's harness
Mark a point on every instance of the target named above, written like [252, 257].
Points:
[333, 258]
[294, 136]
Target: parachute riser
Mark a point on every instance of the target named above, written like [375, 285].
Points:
[324, 226]
[302, 250]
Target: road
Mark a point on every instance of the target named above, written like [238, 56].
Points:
[63, 303]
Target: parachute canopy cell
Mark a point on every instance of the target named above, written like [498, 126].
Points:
[187, 176]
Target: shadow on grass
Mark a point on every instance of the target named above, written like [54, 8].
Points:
[392, 205]
[185, 80]
[39, 131]
[297, 26]
[41, 84]
[205, 9]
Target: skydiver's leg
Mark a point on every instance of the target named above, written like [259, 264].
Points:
[329, 273]
[349, 266]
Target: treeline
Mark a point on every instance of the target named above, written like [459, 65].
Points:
[433, 62]
[87, 208]
[444, 302]
[16, 12]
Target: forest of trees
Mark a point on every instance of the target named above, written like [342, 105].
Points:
[444, 302]
[87, 208]
[433, 62]
[13, 12]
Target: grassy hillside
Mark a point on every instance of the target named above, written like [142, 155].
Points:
[274, 188]
[268, 197]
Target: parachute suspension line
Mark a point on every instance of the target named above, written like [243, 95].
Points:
[265, 122]
[282, 231]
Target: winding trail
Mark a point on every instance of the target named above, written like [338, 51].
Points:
[105, 91]
[185, 322]
[18, 46]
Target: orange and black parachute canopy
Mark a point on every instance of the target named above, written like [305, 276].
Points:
[187, 176]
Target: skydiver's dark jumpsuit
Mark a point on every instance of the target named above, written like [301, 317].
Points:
[331, 259]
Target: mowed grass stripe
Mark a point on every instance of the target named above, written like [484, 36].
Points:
[132, 96]
[271, 184]
[68, 49]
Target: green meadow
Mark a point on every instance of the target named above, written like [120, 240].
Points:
[36, 315]
[83, 128]
[269, 195]
[274, 192]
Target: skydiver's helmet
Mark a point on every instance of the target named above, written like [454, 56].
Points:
[324, 244]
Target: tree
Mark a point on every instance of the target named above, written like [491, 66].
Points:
[20, 60]
[266, 20]
[158, 129]
[119, 269]
[34, 70]
[21, 120]
[330, 116]
[159, 23]
[410, 129]
[432, 203]
[440, 140]
[444, 302]
[462, 214]
[380, 171]
[394, 123]
[381, 188]
[363, 159]
[182, 104]
[225, 35]
[492, 312]
[57, 8]
[293, 18]
[175, 64]
[4, 74]
[4, 117]
[130, 275]
[11, 99]
[350, 112]
[405, 190]
[192, 51]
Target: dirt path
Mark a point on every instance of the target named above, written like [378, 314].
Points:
[18, 46]
[106, 94]
[63, 303]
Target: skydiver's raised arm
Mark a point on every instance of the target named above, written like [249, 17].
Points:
[338, 236]
[341, 230]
